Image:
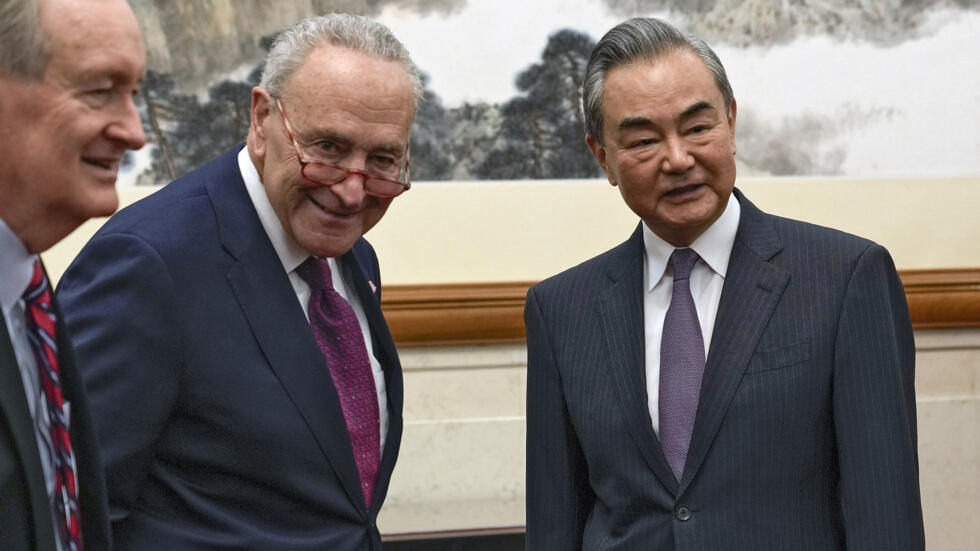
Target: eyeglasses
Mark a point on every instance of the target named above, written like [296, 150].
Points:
[384, 177]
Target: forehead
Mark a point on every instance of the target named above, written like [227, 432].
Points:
[93, 37]
[665, 85]
[336, 82]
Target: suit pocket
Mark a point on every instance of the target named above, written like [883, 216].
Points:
[779, 358]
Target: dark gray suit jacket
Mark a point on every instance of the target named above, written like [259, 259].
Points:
[25, 514]
[805, 434]
[218, 417]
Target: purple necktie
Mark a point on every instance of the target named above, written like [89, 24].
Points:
[681, 365]
[338, 333]
[41, 326]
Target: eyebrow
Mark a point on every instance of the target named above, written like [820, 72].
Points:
[697, 108]
[633, 122]
[345, 141]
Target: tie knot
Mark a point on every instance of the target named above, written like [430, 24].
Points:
[37, 289]
[682, 260]
[316, 273]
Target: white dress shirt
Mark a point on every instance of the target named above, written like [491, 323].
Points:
[714, 246]
[16, 269]
[292, 255]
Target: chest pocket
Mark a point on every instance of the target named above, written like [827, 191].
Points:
[779, 358]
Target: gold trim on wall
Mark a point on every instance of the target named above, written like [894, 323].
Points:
[493, 313]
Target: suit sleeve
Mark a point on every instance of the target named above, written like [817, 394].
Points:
[119, 306]
[874, 410]
[559, 497]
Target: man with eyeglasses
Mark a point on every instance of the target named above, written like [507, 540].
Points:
[245, 386]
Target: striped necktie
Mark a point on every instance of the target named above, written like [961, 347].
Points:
[41, 325]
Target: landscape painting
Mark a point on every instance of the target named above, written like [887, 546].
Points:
[869, 89]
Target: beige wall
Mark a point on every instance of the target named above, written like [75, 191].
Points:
[526, 231]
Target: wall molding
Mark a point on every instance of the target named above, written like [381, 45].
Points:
[943, 298]
[493, 313]
[455, 313]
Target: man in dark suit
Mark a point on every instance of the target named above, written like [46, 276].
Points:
[244, 384]
[725, 378]
[67, 116]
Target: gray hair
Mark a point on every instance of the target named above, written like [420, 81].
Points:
[360, 34]
[24, 52]
[640, 38]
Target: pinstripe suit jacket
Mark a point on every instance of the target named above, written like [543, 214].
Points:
[805, 434]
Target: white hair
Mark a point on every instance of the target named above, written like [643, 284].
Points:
[24, 52]
[360, 34]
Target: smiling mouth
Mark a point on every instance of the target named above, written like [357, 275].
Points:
[101, 164]
[329, 211]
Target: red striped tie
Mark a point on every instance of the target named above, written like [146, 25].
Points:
[41, 334]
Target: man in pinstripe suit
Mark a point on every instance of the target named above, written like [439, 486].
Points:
[801, 432]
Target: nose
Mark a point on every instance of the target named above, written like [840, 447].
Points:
[351, 191]
[677, 158]
[128, 128]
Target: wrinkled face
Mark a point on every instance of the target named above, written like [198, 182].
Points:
[669, 143]
[64, 135]
[342, 101]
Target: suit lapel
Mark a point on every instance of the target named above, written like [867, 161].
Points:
[269, 304]
[752, 289]
[92, 496]
[621, 310]
[17, 416]
[384, 349]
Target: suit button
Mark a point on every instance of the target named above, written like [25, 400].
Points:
[682, 513]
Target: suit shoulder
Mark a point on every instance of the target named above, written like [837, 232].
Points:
[178, 211]
[820, 239]
[758, 226]
[162, 207]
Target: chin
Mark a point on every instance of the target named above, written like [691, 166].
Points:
[105, 206]
[333, 247]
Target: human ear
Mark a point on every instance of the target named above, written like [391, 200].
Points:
[599, 151]
[260, 111]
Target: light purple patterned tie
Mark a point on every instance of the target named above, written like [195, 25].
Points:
[339, 335]
[681, 365]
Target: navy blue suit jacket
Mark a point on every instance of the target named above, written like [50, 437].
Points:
[805, 436]
[219, 421]
[25, 512]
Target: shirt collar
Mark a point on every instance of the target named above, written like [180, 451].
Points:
[714, 246]
[16, 267]
[291, 255]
